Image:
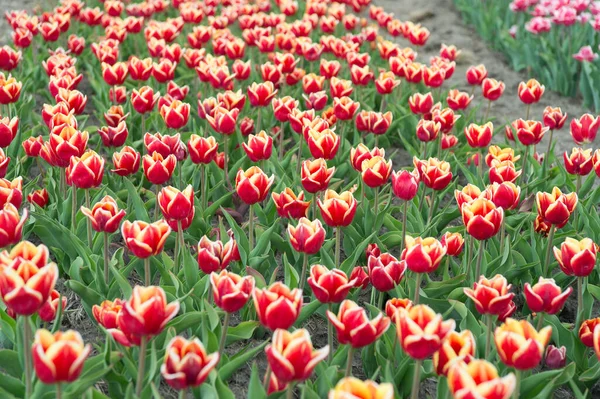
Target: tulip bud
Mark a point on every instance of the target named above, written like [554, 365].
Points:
[421, 331]
[354, 327]
[48, 310]
[453, 242]
[530, 92]
[253, 185]
[39, 197]
[555, 358]
[231, 291]
[186, 363]
[584, 129]
[315, 175]
[405, 184]
[520, 345]
[158, 170]
[482, 218]
[51, 352]
[277, 307]
[385, 271]
[126, 161]
[329, 286]
[576, 258]
[259, 147]
[579, 162]
[492, 89]
[105, 216]
[490, 296]
[423, 255]
[479, 136]
[376, 171]
[85, 172]
[337, 210]
[145, 239]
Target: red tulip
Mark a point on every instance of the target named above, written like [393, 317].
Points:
[114, 136]
[492, 89]
[376, 171]
[175, 204]
[491, 296]
[458, 347]
[85, 172]
[423, 255]
[579, 162]
[354, 327]
[458, 100]
[482, 218]
[213, 256]
[554, 119]
[503, 171]
[261, 94]
[144, 99]
[105, 216]
[479, 379]
[259, 147]
[479, 136]
[158, 170]
[421, 331]
[39, 197]
[337, 210]
[405, 184]
[126, 161]
[289, 205]
[186, 363]
[58, 357]
[147, 312]
[145, 239]
[277, 307]
[584, 129]
[307, 237]
[323, 144]
[576, 258]
[48, 310]
[587, 332]
[11, 224]
[329, 286]
[362, 153]
[555, 208]
[115, 74]
[230, 291]
[10, 89]
[531, 92]
[420, 104]
[546, 296]
[385, 271]
[453, 242]
[223, 121]
[519, 345]
[8, 130]
[434, 173]
[504, 195]
[33, 145]
[428, 130]
[253, 185]
[176, 114]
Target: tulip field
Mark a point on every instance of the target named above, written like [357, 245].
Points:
[285, 199]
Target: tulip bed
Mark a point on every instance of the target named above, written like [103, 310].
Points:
[333, 221]
[556, 41]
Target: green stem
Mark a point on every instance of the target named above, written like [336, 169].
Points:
[89, 222]
[380, 303]
[289, 393]
[349, 362]
[181, 394]
[106, 256]
[141, 366]
[299, 160]
[203, 187]
[73, 208]
[157, 190]
[527, 112]
[281, 138]
[502, 236]
[376, 207]
[63, 182]
[548, 250]
[480, 164]
[181, 244]
[226, 159]
[416, 380]
[404, 218]
[251, 228]
[579, 298]
[524, 170]
[540, 322]
[303, 274]
[469, 255]
[330, 335]
[147, 272]
[487, 111]
[338, 241]
[224, 332]
[431, 206]
[488, 336]
[58, 391]
[267, 377]
[547, 155]
[417, 288]
[517, 391]
[27, 342]
[479, 260]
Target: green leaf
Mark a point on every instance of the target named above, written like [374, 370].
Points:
[227, 370]
[242, 331]
[139, 206]
[186, 320]
[307, 311]
[255, 388]
[9, 362]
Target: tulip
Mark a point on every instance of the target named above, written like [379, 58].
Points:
[259, 147]
[504, 195]
[491, 297]
[420, 104]
[482, 218]
[530, 92]
[11, 192]
[554, 118]
[476, 75]
[446, 118]
[315, 175]
[33, 145]
[479, 136]
[85, 172]
[11, 224]
[500, 154]
[186, 363]
[115, 74]
[434, 173]
[214, 256]
[453, 242]
[344, 108]
[144, 99]
[405, 184]
[8, 130]
[555, 208]
[230, 291]
[351, 388]
[105, 216]
[48, 310]
[289, 205]
[492, 89]
[329, 286]
[457, 347]
[468, 194]
[114, 136]
[307, 237]
[38, 197]
[291, 356]
[545, 296]
[59, 357]
[126, 161]
[202, 150]
[555, 358]
[530, 132]
[479, 379]
[576, 258]
[323, 144]
[261, 94]
[175, 204]
[375, 172]
[385, 272]
[253, 185]
[68, 142]
[503, 172]
[587, 332]
[158, 169]
[337, 210]
[579, 163]
[519, 345]
[584, 129]
[277, 307]
[428, 130]
[106, 313]
[423, 255]
[458, 100]
[145, 240]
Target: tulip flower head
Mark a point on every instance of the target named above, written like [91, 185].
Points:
[58, 357]
[519, 345]
[105, 215]
[555, 208]
[421, 331]
[253, 185]
[145, 239]
[329, 286]
[186, 363]
[423, 255]
[147, 312]
[214, 256]
[278, 306]
[545, 296]
[576, 257]
[385, 271]
[350, 388]
[491, 296]
[337, 210]
[231, 291]
[479, 379]
[482, 218]
[354, 327]
[585, 128]
[456, 347]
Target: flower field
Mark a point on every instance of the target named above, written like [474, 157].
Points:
[286, 199]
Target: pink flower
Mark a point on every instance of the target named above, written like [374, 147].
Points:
[585, 54]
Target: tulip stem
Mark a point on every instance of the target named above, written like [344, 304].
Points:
[63, 182]
[330, 335]
[579, 299]
[89, 222]
[157, 189]
[314, 206]
[226, 160]
[106, 256]
[303, 274]
[299, 160]
[502, 236]
[417, 287]
[181, 394]
[488, 336]
[431, 206]
[517, 391]
[404, 219]
[479, 259]
[267, 380]
[73, 208]
[203, 187]
[251, 228]
[416, 380]
[380, 303]
[349, 361]
[469, 255]
[281, 138]
[147, 272]
[540, 322]
[338, 241]
[224, 333]
[524, 170]
[27, 338]
[143, 125]
[487, 111]
[289, 393]
[59, 391]
[141, 365]
[548, 250]
[480, 163]
[547, 155]
[181, 245]
[376, 207]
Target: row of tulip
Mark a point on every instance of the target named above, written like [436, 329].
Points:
[331, 153]
[555, 40]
